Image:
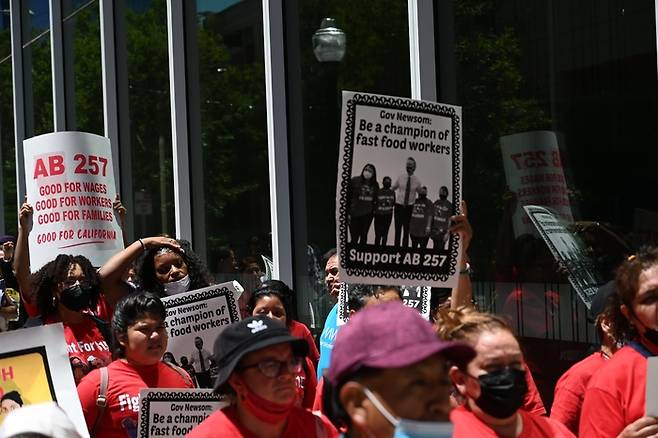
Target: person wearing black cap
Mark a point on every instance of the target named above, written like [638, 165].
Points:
[570, 389]
[258, 362]
[10, 401]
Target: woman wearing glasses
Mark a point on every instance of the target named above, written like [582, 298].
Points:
[258, 364]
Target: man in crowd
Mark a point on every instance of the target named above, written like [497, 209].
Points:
[332, 281]
[406, 187]
[375, 372]
[421, 220]
[202, 360]
[384, 211]
[442, 211]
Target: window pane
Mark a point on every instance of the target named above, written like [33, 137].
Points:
[7, 148]
[583, 74]
[233, 138]
[376, 60]
[36, 68]
[82, 66]
[150, 116]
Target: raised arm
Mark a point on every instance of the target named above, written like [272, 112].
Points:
[22, 254]
[462, 295]
[112, 272]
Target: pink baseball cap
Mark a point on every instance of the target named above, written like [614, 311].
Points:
[389, 335]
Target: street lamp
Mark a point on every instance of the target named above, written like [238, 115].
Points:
[329, 42]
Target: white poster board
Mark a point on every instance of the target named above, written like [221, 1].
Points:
[34, 362]
[533, 170]
[417, 145]
[652, 387]
[568, 250]
[202, 313]
[172, 413]
[70, 184]
[416, 297]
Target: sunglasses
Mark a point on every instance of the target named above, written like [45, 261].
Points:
[272, 368]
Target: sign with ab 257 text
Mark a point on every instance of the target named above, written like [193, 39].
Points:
[398, 185]
[70, 185]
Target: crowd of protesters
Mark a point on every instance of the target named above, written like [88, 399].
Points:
[387, 372]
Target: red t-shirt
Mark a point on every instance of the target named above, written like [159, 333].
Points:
[615, 396]
[570, 390]
[532, 402]
[84, 341]
[306, 384]
[468, 425]
[124, 383]
[225, 424]
[299, 330]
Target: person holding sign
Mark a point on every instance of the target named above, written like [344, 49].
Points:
[362, 195]
[615, 400]
[258, 364]
[167, 266]
[273, 299]
[110, 396]
[494, 385]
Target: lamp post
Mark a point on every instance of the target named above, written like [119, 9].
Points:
[329, 42]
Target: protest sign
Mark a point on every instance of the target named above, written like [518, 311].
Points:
[35, 364]
[170, 413]
[533, 170]
[399, 181]
[200, 315]
[416, 297]
[651, 404]
[568, 250]
[70, 185]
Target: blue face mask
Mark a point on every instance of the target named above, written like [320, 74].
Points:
[410, 428]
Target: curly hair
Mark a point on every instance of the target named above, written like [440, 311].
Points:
[276, 288]
[45, 281]
[466, 323]
[627, 282]
[196, 269]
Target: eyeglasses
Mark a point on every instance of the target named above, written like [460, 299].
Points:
[272, 368]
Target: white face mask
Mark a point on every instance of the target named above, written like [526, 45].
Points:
[410, 428]
[177, 287]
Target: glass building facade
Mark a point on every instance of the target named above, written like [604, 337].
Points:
[224, 126]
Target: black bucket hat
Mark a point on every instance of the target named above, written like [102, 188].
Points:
[250, 334]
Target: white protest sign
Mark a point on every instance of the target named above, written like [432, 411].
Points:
[533, 170]
[70, 185]
[399, 181]
[202, 314]
[416, 297]
[171, 413]
[35, 364]
[568, 250]
[651, 404]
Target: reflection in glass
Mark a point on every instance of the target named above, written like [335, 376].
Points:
[150, 117]
[233, 140]
[7, 148]
[376, 60]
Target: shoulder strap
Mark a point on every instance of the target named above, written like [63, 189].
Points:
[182, 373]
[101, 400]
[640, 349]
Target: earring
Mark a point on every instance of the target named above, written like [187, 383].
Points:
[54, 301]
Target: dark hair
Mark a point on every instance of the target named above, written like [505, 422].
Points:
[196, 269]
[46, 279]
[12, 395]
[357, 296]
[250, 260]
[373, 180]
[276, 288]
[379, 289]
[131, 309]
[329, 254]
[627, 282]
[171, 355]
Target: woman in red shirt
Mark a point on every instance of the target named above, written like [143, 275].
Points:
[274, 300]
[493, 384]
[614, 404]
[140, 342]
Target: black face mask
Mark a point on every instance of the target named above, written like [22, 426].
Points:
[502, 392]
[76, 297]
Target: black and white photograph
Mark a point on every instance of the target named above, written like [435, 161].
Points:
[399, 182]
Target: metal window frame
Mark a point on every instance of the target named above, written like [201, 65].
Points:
[277, 140]
[19, 95]
[421, 49]
[179, 118]
[57, 65]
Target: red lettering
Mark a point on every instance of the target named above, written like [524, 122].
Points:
[40, 169]
[56, 163]
[7, 373]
